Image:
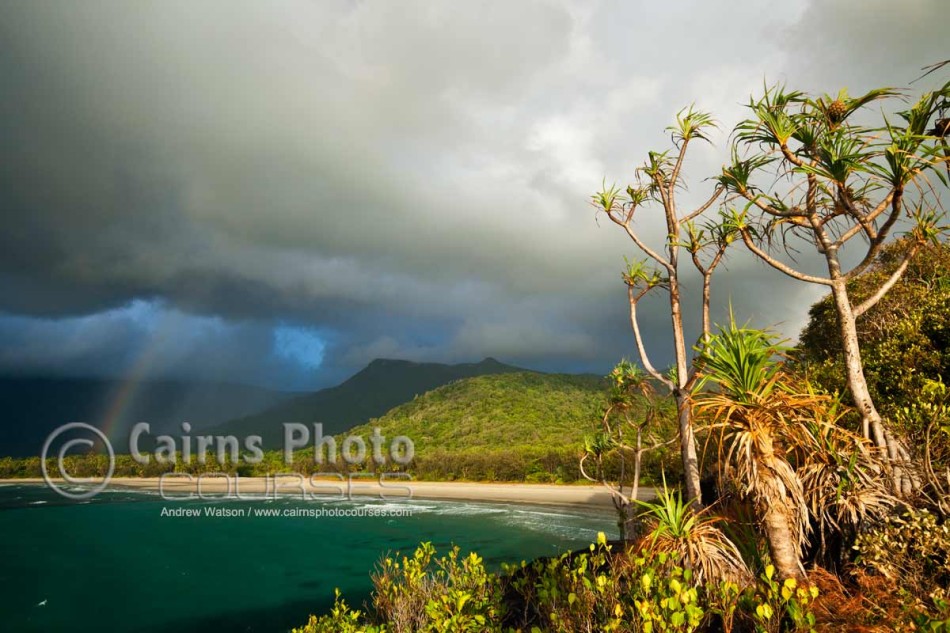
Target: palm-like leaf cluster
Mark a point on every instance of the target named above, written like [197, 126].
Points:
[779, 442]
[741, 361]
[800, 138]
[692, 540]
[756, 431]
[841, 479]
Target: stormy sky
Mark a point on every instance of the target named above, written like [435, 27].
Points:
[278, 192]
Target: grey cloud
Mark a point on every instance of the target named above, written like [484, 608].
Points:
[411, 177]
[147, 339]
[863, 45]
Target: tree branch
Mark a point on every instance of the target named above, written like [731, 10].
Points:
[756, 200]
[640, 244]
[634, 323]
[707, 291]
[878, 242]
[790, 157]
[699, 211]
[868, 218]
[871, 301]
[676, 174]
[846, 206]
[777, 265]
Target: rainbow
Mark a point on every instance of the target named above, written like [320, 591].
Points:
[124, 395]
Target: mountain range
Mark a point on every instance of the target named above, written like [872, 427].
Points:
[30, 408]
[377, 388]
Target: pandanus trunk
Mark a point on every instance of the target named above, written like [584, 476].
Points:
[857, 383]
[688, 449]
[628, 515]
[778, 521]
[872, 424]
[629, 523]
[684, 409]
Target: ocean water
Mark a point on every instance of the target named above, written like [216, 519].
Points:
[114, 563]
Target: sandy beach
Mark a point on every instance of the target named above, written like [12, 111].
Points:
[334, 489]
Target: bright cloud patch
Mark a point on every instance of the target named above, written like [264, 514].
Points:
[299, 344]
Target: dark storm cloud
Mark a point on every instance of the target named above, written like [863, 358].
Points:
[405, 179]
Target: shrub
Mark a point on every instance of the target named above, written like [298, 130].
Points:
[579, 592]
[424, 593]
[692, 540]
[912, 547]
[911, 554]
[775, 607]
[341, 619]
[596, 589]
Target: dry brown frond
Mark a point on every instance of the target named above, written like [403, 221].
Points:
[756, 439]
[693, 541]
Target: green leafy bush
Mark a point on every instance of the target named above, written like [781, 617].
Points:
[778, 607]
[910, 552]
[428, 593]
[596, 589]
[341, 619]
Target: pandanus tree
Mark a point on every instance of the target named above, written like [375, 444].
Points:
[613, 456]
[779, 442]
[692, 241]
[810, 175]
[754, 416]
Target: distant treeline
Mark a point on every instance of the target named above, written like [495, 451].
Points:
[519, 464]
[517, 427]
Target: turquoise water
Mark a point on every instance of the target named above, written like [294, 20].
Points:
[116, 564]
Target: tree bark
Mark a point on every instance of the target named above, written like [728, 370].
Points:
[777, 521]
[871, 422]
[629, 523]
[870, 419]
[684, 410]
[688, 449]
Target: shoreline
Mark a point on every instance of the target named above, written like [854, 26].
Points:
[591, 496]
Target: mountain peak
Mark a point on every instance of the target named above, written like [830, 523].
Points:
[384, 362]
[383, 384]
[487, 363]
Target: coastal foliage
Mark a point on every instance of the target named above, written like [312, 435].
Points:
[603, 588]
[636, 431]
[905, 337]
[758, 416]
[796, 484]
[692, 540]
[897, 581]
[781, 446]
[521, 426]
[694, 243]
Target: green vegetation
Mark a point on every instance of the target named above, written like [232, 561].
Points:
[657, 187]
[810, 177]
[797, 491]
[488, 412]
[633, 441]
[604, 588]
[525, 426]
[905, 337]
[516, 427]
[371, 392]
[791, 479]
